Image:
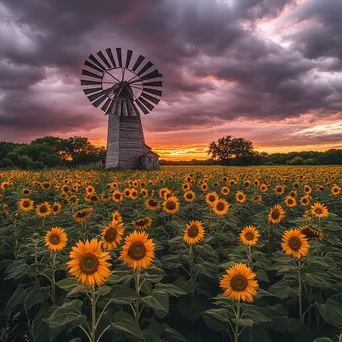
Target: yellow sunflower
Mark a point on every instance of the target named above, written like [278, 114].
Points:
[279, 189]
[311, 234]
[189, 195]
[56, 208]
[263, 187]
[335, 190]
[290, 201]
[143, 192]
[305, 200]
[249, 236]
[307, 189]
[240, 197]
[82, 215]
[152, 204]
[171, 205]
[43, 209]
[142, 223]
[26, 204]
[295, 243]
[26, 192]
[256, 198]
[138, 251]
[220, 207]
[211, 197]
[225, 190]
[89, 264]
[117, 196]
[239, 283]
[134, 194]
[112, 235]
[319, 210]
[127, 192]
[194, 232]
[116, 216]
[56, 239]
[276, 214]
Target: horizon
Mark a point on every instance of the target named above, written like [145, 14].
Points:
[268, 71]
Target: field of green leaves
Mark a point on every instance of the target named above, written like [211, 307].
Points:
[181, 254]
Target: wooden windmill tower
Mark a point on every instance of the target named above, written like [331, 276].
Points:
[125, 88]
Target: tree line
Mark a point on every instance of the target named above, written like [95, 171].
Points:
[48, 152]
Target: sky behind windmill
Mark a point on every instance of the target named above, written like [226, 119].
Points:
[265, 70]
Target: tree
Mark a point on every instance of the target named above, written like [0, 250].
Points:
[227, 148]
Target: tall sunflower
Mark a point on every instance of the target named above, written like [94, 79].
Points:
[319, 210]
[26, 204]
[82, 215]
[138, 251]
[249, 236]
[56, 239]
[116, 216]
[220, 207]
[112, 235]
[189, 195]
[142, 223]
[43, 210]
[240, 197]
[89, 264]
[335, 190]
[305, 200]
[117, 196]
[239, 283]
[56, 208]
[194, 232]
[295, 243]
[171, 205]
[152, 204]
[311, 233]
[276, 214]
[211, 197]
[290, 201]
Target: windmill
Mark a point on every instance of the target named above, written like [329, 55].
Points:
[125, 87]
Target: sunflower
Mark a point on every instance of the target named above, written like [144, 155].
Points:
[127, 192]
[290, 201]
[305, 200]
[138, 251]
[112, 235]
[307, 189]
[311, 234]
[247, 184]
[194, 232]
[276, 214]
[220, 207]
[295, 243]
[90, 190]
[211, 197]
[279, 189]
[204, 187]
[239, 283]
[5, 209]
[89, 263]
[171, 205]
[82, 215]
[56, 208]
[225, 190]
[26, 192]
[142, 223]
[104, 197]
[189, 195]
[240, 197]
[335, 190]
[116, 216]
[249, 236]
[74, 199]
[319, 210]
[263, 187]
[152, 204]
[43, 209]
[256, 198]
[117, 196]
[56, 239]
[163, 192]
[45, 185]
[143, 192]
[186, 186]
[26, 204]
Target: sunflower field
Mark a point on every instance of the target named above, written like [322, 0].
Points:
[180, 254]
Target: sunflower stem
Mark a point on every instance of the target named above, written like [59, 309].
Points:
[249, 254]
[93, 315]
[137, 289]
[300, 290]
[236, 332]
[53, 279]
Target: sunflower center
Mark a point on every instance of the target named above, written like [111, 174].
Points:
[249, 236]
[239, 283]
[211, 198]
[295, 243]
[26, 204]
[54, 239]
[193, 231]
[111, 235]
[170, 205]
[81, 214]
[275, 214]
[220, 206]
[140, 222]
[318, 211]
[89, 263]
[153, 203]
[137, 251]
[289, 201]
[43, 209]
[55, 208]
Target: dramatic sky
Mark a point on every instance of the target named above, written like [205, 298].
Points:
[265, 70]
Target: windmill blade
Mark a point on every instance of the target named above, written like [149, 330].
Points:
[145, 103]
[118, 53]
[153, 84]
[150, 98]
[141, 106]
[106, 104]
[86, 82]
[128, 58]
[100, 93]
[91, 65]
[136, 109]
[92, 90]
[90, 74]
[147, 66]
[153, 91]
[110, 55]
[99, 101]
[138, 62]
[110, 108]
[153, 74]
[101, 55]
[93, 59]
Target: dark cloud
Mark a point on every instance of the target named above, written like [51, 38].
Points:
[216, 63]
